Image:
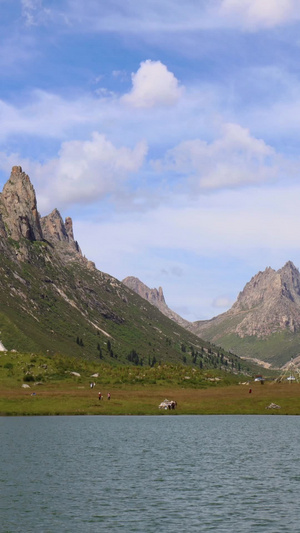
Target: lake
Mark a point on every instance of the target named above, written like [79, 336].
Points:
[150, 474]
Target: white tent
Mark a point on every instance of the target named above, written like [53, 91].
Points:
[2, 348]
[290, 372]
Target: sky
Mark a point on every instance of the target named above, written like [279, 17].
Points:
[167, 130]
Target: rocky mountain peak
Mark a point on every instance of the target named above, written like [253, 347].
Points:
[268, 307]
[20, 221]
[54, 228]
[155, 297]
[290, 282]
[69, 228]
[60, 234]
[269, 286]
[257, 289]
[18, 208]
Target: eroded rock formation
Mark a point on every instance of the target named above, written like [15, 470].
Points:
[18, 208]
[21, 222]
[155, 297]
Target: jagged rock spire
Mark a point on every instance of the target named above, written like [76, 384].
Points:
[69, 228]
[53, 227]
[155, 297]
[18, 208]
[20, 221]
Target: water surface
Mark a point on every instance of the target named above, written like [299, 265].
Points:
[150, 474]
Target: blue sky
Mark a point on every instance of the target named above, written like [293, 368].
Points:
[168, 131]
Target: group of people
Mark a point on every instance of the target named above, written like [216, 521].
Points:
[101, 397]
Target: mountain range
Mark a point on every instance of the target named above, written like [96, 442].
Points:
[54, 300]
[263, 324]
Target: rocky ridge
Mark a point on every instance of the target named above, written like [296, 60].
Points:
[269, 305]
[20, 221]
[54, 301]
[18, 208]
[155, 297]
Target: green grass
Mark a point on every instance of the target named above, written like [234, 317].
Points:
[46, 305]
[277, 349]
[134, 390]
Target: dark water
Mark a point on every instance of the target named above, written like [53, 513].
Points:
[150, 474]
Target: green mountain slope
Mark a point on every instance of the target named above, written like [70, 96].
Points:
[53, 300]
[51, 307]
[264, 322]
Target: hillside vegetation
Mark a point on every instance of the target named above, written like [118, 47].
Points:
[54, 301]
[33, 384]
[47, 307]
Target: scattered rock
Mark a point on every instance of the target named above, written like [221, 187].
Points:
[273, 406]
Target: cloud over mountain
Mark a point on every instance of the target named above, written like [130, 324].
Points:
[153, 85]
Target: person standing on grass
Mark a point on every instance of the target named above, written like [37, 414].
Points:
[108, 395]
[99, 395]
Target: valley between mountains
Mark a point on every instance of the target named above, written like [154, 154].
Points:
[54, 300]
[263, 324]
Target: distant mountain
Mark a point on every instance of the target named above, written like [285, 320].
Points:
[53, 300]
[264, 322]
[155, 297]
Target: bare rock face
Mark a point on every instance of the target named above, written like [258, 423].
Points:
[3, 233]
[53, 227]
[155, 297]
[69, 228]
[61, 235]
[20, 221]
[269, 303]
[19, 209]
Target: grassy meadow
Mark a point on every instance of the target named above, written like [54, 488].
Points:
[54, 390]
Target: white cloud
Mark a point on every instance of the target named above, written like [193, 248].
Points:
[218, 244]
[88, 170]
[256, 14]
[234, 159]
[84, 171]
[33, 12]
[251, 223]
[155, 20]
[153, 85]
[52, 116]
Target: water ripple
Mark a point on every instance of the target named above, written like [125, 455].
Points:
[150, 474]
